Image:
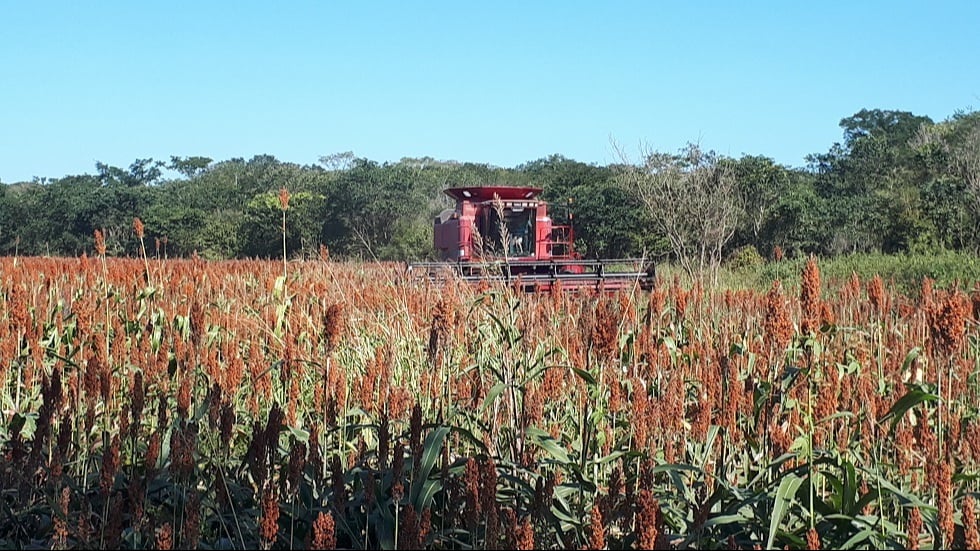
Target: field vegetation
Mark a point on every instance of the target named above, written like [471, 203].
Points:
[151, 403]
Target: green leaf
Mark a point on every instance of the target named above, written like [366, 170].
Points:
[430, 452]
[281, 316]
[720, 520]
[851, 487]
[801, 445]
[675, 472]
[584, 375]
[561, 509]
[299, 434]
[544, 440]
[912, 398]
[469, 436]
[674, 467]
[613, 456]
[492, 395]
[709, 444]
[16, 424]
[864, 534]
[784, 496]
[428, 493]
[838, 415]
[910, 357]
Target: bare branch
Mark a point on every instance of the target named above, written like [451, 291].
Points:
[693, 201]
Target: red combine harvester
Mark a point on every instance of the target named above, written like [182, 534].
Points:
[503, 233]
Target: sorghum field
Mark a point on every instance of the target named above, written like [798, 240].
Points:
[257, 404]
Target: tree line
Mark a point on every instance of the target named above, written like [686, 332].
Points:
[896, 182]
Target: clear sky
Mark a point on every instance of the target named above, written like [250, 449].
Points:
[496, 82]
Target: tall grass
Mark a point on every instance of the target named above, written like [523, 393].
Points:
[235, 405]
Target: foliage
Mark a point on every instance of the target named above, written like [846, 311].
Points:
[746, 257]
[904, 272]
[179, 403]
[895, 183]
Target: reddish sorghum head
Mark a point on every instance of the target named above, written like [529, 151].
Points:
[777, 325]
[810, 297]
[284, 198]
[324, 534]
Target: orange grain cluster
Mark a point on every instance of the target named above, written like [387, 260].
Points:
[333, 391]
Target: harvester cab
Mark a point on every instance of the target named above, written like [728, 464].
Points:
[505, 233]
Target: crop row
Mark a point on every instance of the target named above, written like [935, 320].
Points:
[182, 403]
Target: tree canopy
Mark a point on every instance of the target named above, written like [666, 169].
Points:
[895, 182]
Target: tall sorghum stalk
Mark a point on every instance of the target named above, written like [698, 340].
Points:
[878, 301]
[100, 248]
[498, 207]
[947, 327]
[778, 333]
[944, 503]
[60, 520]
[811, 466]
[19, 322]
[440, 329]
[647, 520]
[812, 539]
[284, 205]
[138, 228]
[191, 530]
[597, 532]
[165, 536]
[809, 326]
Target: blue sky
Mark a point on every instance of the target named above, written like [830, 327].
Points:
[497, 82]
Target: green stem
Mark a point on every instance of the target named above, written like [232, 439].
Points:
[809, 434]
[284, 247]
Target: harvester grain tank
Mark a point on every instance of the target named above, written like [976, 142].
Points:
[504, 233]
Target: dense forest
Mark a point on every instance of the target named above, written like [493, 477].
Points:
[897, 182]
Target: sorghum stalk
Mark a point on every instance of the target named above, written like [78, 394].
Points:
[809, 435]
[100, 247]
[138, 228]
[284, 205]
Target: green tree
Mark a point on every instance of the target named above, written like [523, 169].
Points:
[949, 151]
[761, 183]
[181, 227]
[797, 221]
[378, 212]
[262, 228]
[558, 176]
[10, 213]
[189, 167]
[610, 222]
[142, 172]
[872, 183]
